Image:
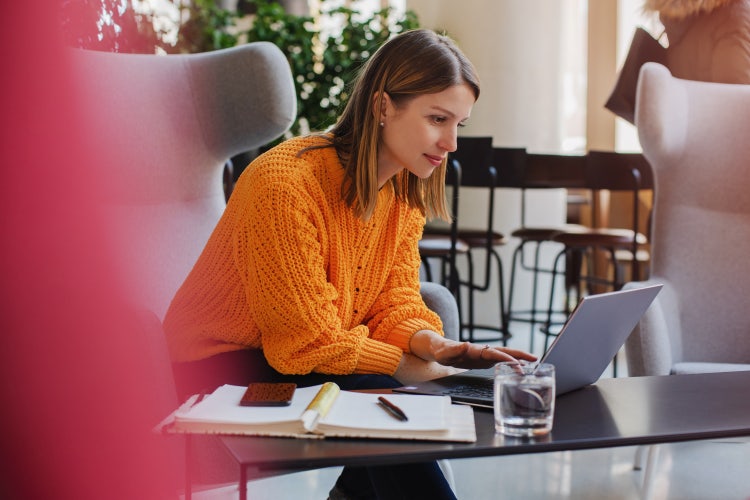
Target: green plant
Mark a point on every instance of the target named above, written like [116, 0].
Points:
[107, 26]
[322, 65]
[135, 26]
[205, 27]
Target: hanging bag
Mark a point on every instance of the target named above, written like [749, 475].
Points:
[644, 48]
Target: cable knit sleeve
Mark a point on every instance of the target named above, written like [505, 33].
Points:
[284, 245]
[399, 310]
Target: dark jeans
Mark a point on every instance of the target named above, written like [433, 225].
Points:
[404, 481]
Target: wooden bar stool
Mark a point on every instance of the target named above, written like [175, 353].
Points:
[537, 171]
[605, 171]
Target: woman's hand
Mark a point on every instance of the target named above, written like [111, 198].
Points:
[468, 355]
[413, 369]
[430, 346]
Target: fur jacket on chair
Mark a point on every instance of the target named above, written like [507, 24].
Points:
[709, 40]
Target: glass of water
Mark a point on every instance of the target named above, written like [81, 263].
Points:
[524, 398]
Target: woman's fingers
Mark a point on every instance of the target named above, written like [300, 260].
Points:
[495, 354]
[517, 354]
[467, 355]
[487, 352]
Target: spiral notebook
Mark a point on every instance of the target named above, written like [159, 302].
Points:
[351, 414]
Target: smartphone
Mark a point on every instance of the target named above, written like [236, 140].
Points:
[268, 394]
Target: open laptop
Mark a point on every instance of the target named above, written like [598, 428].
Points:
[591, 337]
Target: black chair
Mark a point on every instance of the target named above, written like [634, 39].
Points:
[476, 157]
[444, 244]
[537, 171]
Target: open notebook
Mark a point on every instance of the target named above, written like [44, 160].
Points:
[352, 414]
[587, 343]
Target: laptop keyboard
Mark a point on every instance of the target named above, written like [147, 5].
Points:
[472, 391]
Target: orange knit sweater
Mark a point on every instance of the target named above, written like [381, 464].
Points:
[291, 270]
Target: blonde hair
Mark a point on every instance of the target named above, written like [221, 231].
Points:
[680, 9]
[413, 63]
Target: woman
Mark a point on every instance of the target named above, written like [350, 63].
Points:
[709, 40]
[312, 274]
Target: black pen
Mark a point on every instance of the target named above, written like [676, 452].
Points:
[392, 409]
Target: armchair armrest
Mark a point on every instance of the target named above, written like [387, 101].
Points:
[651, 348]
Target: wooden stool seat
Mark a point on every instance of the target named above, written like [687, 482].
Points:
[477, 238]
[535, 233]
[599, 237]
[544, 233]
[439, 245]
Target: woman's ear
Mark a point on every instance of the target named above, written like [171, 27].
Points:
[380, 105]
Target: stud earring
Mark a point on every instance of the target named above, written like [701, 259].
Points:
[382, 124]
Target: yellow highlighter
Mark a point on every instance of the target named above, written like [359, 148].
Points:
[319, 406]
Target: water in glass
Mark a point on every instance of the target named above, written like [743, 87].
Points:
[524, 399]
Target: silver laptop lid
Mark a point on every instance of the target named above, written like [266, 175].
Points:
[594, 333]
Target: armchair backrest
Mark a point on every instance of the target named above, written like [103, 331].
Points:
[695, 136]
[166, 125]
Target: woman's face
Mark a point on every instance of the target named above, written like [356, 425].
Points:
[418, 135]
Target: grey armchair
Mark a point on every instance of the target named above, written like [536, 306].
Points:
[165, 127]
[694, 134]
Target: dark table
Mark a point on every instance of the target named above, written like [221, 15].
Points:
[612, 412]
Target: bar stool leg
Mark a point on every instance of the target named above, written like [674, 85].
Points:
[504, 327]
[511, 288]
[547, 329]
[518, 261]
[470, 288]
[534, 289]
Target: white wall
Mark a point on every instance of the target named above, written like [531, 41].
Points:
[530, 56]
[522, 51]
